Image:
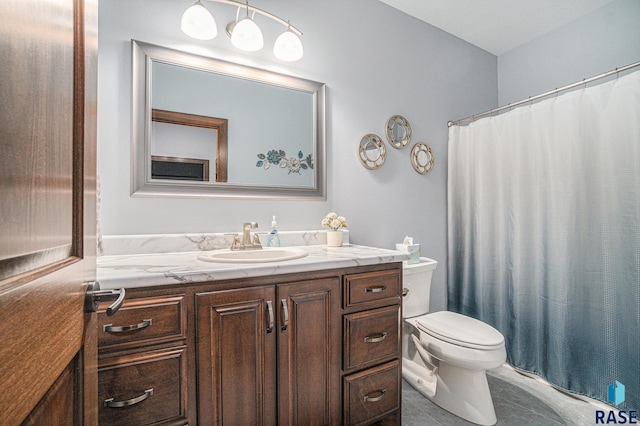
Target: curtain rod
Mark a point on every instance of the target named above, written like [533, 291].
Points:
[542, 95]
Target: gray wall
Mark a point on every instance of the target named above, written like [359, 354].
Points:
[601, 41]
[376, 62]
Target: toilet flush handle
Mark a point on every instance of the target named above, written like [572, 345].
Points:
[405, 291]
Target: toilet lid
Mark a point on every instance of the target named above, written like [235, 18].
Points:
[460, 330]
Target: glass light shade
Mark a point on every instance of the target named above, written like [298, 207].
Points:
[288, 47]
[247, 36]
[198, 23]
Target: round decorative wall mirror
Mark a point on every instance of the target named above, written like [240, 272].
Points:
[422, 158]
[372, 151]
[398, 131]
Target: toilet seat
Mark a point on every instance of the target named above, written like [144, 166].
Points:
[460, 330]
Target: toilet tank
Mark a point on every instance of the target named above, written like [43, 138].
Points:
[416, 278]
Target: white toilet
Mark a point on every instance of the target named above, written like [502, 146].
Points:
[445, 354]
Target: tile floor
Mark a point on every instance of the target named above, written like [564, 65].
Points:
[519, 401]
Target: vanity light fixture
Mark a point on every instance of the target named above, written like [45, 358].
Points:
[288, 46]
[198, 23]
[245, 34]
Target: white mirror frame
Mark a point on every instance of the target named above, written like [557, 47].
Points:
[141, 183]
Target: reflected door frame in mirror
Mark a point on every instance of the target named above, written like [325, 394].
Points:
[144, 55]
[220, 125]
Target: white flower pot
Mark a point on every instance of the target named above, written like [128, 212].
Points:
[334, 238]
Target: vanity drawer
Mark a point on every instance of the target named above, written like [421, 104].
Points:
[372, 286]
[371, 394]
[143, 389]
[371, 337]
[142, 321]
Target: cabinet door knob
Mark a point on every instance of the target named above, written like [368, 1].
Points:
[285, 314]
[270, 313]
[94, 296]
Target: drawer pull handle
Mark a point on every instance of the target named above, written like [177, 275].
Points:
[270, 312]
[110, 328]
[368, 398]
[285, 312]
[129, 402]
[375, 339]
[376, 289]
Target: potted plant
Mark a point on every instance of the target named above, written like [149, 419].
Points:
[335, 223]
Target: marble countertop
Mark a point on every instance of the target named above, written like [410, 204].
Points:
[145, 270]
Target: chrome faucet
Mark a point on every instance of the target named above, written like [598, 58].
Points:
[246, 232]
[247, 242]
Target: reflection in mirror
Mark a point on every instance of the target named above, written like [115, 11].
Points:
[179, 168]
[187, 143]
[263, 131]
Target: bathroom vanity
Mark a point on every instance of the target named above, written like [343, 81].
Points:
[315, 340]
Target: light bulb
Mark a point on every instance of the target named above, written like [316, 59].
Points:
[288, 47]
[247, 36]
[198, 23]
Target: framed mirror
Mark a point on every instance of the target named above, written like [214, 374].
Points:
[203, 127]
[398, 131]
[372, 152]
[422, 158]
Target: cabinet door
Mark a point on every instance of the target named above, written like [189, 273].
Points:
[236, 361]
[309, 348]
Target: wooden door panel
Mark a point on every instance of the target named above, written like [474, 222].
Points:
[36, 230]
[47, 207]
[309, 349]
[236, 357]
[36, 347]
[57, 406]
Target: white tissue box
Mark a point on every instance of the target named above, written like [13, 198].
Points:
[412, 249]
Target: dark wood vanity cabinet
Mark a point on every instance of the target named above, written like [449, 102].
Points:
[372, 347]
[319, 348]
[142, 361]
[270, 355]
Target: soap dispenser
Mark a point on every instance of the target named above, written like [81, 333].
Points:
[274, 239]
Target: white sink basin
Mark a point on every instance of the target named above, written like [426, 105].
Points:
[267, 254]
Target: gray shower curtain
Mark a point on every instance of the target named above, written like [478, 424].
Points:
[544, 235]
